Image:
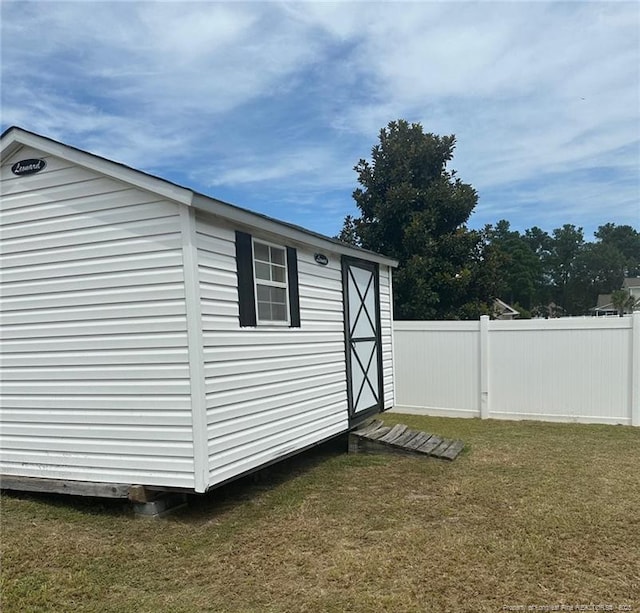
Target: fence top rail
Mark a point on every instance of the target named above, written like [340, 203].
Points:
[568, 323]
[448, 325]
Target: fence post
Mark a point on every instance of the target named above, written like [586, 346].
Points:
[635, 369]
[484, 367]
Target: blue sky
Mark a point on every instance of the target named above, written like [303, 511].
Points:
[270, 105]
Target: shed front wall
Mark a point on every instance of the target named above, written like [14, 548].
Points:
[95, 370]
[270, 390]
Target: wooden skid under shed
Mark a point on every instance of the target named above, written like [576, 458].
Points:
[376, 437]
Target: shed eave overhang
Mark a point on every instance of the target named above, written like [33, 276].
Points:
[258, 221]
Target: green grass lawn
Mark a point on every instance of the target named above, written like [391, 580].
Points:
[530, 514]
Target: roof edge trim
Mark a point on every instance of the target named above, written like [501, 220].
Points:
[16, 136]
[257, 221]
[115, 170]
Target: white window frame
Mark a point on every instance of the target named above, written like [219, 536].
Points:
[256, 282]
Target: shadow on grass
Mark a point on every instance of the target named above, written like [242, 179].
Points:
[87, 505]
[201, 507]
[267, 480]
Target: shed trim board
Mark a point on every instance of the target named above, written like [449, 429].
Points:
[391, 398]
[124, 356]
[196, 351]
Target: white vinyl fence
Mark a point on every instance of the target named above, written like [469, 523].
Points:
[582, 370]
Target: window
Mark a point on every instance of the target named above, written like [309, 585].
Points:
[267, 282]
[270, 269]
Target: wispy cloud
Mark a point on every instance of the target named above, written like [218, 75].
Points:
[270, 105]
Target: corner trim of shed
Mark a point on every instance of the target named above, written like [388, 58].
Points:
[196, 351]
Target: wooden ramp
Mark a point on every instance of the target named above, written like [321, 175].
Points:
[376, 437]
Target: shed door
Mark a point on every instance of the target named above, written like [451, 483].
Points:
[360, 284]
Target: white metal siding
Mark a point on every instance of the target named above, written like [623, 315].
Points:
[270, 390]
[95, 364]
[386, 322]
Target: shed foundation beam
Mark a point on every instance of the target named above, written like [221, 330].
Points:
[64, 486]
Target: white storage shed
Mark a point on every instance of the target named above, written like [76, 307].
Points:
[158, 337]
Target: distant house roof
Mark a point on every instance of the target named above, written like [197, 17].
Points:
[604, 301]
[604, 306]
[503, 310]
[631, 282]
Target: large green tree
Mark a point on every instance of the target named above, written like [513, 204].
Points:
[522, 266]
[414, 209]
[599, 269]
[625, 240]
[565, 245]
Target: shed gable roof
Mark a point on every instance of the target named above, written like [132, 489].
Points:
[14, 137]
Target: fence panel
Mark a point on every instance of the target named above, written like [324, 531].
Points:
[438, 366]
[583, 370]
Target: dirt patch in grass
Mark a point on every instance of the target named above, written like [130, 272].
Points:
[529, 514]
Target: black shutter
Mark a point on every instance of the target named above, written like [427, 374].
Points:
[246, 291]
[292, 279]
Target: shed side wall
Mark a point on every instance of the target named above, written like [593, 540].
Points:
[94, 343]
[270, 391]
[386, 323]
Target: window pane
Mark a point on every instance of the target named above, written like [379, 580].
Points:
[278, 295]
[264, 295]
[279, 312]
[261, 252]
[277, 256]
[264, 311]
[262, 271]
[277, 274]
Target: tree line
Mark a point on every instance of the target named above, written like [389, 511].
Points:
[413, 208]
[540, 270]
